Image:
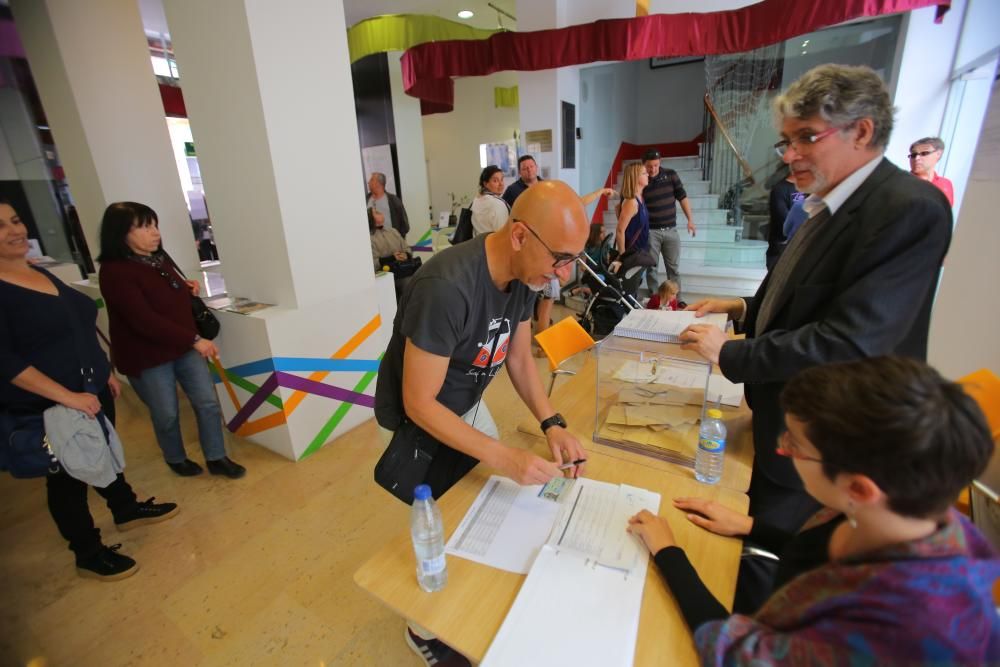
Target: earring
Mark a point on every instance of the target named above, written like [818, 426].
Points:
[849, 513]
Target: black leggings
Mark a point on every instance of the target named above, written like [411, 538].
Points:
[67, 498]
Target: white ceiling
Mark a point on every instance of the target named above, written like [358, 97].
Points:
[155, 21]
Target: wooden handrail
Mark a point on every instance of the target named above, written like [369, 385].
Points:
[744, 165]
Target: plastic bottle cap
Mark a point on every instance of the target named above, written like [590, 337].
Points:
[714, 413]
[422, 492]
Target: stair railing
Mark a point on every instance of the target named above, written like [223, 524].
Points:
[724, 166]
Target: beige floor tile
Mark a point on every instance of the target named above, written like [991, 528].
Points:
[257, 571]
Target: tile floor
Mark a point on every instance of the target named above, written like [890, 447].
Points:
[256, 571]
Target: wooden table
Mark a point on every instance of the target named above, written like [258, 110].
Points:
[468, 612]
[574, 399]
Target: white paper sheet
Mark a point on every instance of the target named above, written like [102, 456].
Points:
[592, 521]
[721, 390]
[572, 609]
[505, 527]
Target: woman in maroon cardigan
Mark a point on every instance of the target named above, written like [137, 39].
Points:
[153, 336]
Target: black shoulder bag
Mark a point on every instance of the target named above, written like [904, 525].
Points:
[405, 462]
[464, 230]
[204, 321]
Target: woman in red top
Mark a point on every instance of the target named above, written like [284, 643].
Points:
[153, 336]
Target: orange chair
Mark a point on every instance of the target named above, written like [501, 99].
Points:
[982, 501]
[560, 342]
[984, 387]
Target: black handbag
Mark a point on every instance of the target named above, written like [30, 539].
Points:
[205, 321]
[25, 452]
[405, 462]
[401, 268]
[463, 230]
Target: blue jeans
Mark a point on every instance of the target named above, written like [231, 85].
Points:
[157, 387]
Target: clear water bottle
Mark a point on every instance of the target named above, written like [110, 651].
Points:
[711, 448]
[427, 531]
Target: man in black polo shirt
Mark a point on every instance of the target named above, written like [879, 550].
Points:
[662, 195]
[528, 170]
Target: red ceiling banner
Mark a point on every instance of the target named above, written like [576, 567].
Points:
[428, 68]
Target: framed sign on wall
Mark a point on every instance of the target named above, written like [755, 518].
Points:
[657, 63]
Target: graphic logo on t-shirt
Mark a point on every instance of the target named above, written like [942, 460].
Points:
[498, 338]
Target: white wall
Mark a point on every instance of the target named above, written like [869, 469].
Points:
[630, 102]
[409, 151]
[451, 140]
[669, 104]
[963, 335]
[607, 118]
[980, 35]
[923, 77]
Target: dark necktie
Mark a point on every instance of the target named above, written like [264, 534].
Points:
[789, 259]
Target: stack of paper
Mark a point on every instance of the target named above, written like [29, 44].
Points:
[663, 326]
[580, 602]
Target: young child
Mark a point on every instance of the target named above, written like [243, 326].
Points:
[665, 297]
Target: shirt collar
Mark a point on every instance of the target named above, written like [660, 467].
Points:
[836, 197]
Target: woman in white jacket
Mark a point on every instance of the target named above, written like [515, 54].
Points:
[489, 210]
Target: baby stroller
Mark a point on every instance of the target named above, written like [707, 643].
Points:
[612, 300]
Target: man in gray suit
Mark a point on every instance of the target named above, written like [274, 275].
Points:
[857, 279]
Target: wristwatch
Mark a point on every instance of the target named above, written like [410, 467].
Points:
[196, 339]
[554, 420]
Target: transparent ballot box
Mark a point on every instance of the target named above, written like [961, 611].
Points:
[649, 400]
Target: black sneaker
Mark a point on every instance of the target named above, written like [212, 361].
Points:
[226, 466]
[145, 512]
[435, 652]
[107, 565]
[186, 468]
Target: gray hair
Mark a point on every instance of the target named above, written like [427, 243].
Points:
[841, 95]
[380, 177]
[933, 142]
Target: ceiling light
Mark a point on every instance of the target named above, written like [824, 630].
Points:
[465, 14]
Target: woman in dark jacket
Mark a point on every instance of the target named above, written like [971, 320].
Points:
[45, 329]
[154, 340]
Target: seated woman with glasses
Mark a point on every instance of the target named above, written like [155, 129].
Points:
[887, 573]
[153, 336]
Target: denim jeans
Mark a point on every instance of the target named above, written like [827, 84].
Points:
[157, 387]
[665, 242]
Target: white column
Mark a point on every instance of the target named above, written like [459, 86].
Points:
[90, 62]
[410, 152]
[268, 90]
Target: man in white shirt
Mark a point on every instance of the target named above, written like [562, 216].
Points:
[857, 279]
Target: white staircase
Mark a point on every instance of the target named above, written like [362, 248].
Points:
[716, 261]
